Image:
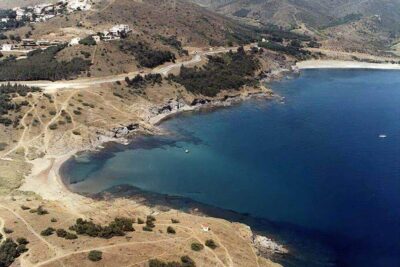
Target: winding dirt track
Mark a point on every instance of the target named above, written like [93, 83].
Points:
[88, 82]
[30, 229]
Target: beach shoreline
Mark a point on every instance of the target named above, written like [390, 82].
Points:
[46, 178]
[50, 165]
[343, 64]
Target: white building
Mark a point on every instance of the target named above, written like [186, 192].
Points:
[5, 20]
[74, 5]
[119, 29]
[20, 13]
[7, 47]
[74, 41]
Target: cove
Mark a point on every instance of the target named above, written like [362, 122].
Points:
[317, 162]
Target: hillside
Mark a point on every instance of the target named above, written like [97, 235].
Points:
[356, 21]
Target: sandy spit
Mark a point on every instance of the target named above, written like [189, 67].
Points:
[340, 64]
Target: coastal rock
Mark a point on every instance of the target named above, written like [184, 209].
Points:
[124, 130]
[199, 101]
[171, 105]
[268, 246]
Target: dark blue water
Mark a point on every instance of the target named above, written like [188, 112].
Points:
[316, 162]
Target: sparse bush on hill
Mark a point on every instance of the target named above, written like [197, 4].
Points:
[292, 49]
[229, 71]
[275, 32]
[7, 92]
[171, 230]
[8, 230]
[23, 207]
[118, 227]
[197, 246]
[145, 55]
[186, 261]
[95, 255]
[88, 41]
[3, 146]
[139, 82]
[39, 211]
[61, 233]
[147, 228]
[48, 231]
[175, 43]
[22, 241]
[42, 65]
[211, 244]
[9, 251]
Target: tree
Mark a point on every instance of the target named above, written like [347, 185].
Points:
[211, 244]
[48, 231]
[171, 230]
[95, 255]
[197, 246]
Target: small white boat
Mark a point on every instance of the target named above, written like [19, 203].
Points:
[382, 136]
[187, 151]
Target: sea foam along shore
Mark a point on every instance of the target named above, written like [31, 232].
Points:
[341, 64]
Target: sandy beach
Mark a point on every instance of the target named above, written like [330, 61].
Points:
[340, 64]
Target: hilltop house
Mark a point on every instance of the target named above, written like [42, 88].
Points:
[74, 41]
[7, 47]
[73, 5]
[115, 32]
[19, 13]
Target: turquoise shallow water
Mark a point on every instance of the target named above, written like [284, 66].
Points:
[315, 163]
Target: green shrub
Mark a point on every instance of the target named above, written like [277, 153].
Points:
[39, 211]
[8, 252]
[8, 230]
[70, 236]
[211, 244]
[23, 207]
[147, 228]
[53, 127]
[197, 246]
[171, 230]
[7, 92]
[22, 241]
[140, 221]
[186, 261]
[3, 145]
[42, 65]
[118, 227]
[95, 255]
[229, 71]
[146, 56]
[174, 221]
[89, 41]
[61, 233]
[22, 249]
[48, 231]
[289, 49]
